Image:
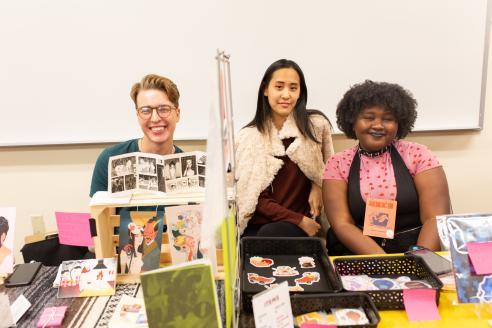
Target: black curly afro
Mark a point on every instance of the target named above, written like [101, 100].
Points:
[390, 96]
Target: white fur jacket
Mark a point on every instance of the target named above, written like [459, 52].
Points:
[256, 164]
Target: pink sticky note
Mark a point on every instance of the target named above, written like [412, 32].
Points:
[420, 304]
[74, 228]
[480, 256]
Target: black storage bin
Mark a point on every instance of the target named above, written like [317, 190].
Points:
[305, 303]
[51, 253]
[324, 302]
[392, 267]
[285, 251]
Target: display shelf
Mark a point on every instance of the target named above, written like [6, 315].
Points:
[103, 211]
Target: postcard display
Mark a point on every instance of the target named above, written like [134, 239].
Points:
[143, 172]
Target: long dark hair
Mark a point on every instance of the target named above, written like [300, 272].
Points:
[4, 227]
[301, 114]
[132, 243]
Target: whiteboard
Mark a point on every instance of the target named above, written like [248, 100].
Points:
[67, 66]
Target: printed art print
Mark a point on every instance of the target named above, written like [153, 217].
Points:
[130, 313]
[184, 224]
[470, 287]
[7, 233]
[83, 278]
[140, 241]
[142, 172]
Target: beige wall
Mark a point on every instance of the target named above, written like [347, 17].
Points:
[42, 180]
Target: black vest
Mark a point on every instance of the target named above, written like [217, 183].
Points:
[407, 225]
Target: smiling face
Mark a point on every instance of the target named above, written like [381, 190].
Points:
[282, 91]
[138, 238]
[375, 128]
[158, 131]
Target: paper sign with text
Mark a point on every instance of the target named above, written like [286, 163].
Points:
[271, 308]
[74, 228]
[379, 220]
[479, 254]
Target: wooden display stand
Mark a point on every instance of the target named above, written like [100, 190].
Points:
[106, 242]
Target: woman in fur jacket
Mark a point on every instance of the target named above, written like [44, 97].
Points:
[280, 158]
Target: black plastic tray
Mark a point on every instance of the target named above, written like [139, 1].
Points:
[318, 302]
[391, 266]
[305, 303]
[286, 251]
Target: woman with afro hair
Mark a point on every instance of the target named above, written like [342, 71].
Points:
[382, 166]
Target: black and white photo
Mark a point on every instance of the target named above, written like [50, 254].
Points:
[189, 166]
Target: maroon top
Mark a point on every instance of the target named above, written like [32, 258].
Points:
[286, 198]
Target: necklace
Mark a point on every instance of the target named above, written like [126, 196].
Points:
[371, 154]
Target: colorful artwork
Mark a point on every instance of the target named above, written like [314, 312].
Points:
[318, 318]
[140, 241]
[308, 278]
[255, 278]
[184, 224]
[285, 271]
[260, 262]
[182, 295]
[306, 262]
[130, 313]
[7, 232]
[344, 317]
[464, 229]
[82, 278]
[295, 288]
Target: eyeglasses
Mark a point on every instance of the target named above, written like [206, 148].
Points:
[163, 111]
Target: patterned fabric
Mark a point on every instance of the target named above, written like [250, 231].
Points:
[377, 178]
[81, 312]
[97, 311]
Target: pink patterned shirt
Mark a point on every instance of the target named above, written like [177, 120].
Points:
[377, 178]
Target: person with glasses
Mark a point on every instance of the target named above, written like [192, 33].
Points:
[156, 101]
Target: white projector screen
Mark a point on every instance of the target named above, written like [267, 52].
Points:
[67, 66]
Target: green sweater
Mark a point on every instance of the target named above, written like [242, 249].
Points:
[100, 173]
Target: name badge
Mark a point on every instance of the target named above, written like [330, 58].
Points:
[379, 220]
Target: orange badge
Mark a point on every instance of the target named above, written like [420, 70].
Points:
[380, 217]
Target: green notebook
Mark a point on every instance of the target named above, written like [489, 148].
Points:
[181, 295]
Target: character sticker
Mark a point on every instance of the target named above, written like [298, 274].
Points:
[260, 262]
[308, 278]
[285, 271]
[255, 278]
[345, 317]
[295, 288]
[306, 262]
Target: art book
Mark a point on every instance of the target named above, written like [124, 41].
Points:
[183, 229]
[7, 233]
[182, 295]
[140, 241]
[462, 230]
[143, 172]
[82, 278]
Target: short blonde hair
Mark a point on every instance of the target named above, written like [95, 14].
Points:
[156, 82]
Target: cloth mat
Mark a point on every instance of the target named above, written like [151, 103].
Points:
[82, 311]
